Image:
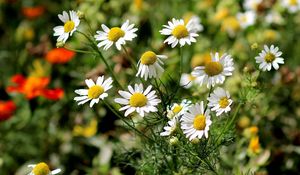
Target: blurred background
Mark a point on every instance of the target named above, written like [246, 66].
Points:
[39, 121]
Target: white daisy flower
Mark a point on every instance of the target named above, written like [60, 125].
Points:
[269, 57]
[195, 23]
[42, 169]
[273, 17]
[150, 65]
[195, 123]
[170, 128]
[179, 32]
[115, 35]
[219, 101]
[188, 80]
[215, 71]
[177, 110]
[246, 19]
[252, 4]
[95, 91]
[71, 23]
[139, 100]
[292, 5]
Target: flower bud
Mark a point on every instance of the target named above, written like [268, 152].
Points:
[254, 46]
[173, 141]
[60, 44]
[80, 15]
[195, 141]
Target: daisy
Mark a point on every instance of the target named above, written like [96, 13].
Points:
[177, 110]
[246, 19]
[115, 35]
[269, 57]
[71, 23]
[179, 32]
[195, 123]
[292, 5]
[273, 17]
[195, 22]
[139, 100]
[215, 71]
[170, 128]
[95, 91]
[42, 169]
[188, 80]
[150, 65]
[220, 101]
[252, 4]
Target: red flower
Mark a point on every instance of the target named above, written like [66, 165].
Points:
[7, 109]
[59, 56]
[33, 87]
[33, 12]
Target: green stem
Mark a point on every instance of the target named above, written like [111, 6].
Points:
[181, 61]
[130, 58]
[126, 122]
[79, 51]
[95, 47]
[210, 90]
[229, 124]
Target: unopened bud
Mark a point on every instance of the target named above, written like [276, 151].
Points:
[60, 44]
[173, 141]
[254, 46]
[195, 141]
[80, 15]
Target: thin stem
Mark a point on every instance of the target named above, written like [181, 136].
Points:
[95, 47]
[180, 62]
[90, 28]
[79, 51]
[130, 58]
[228, 124]
[210, 90]
[128, 124]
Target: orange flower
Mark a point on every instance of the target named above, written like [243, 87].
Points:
[33, 87]
[33, 12]
[7, 108]
[59, 56]
[254, 145]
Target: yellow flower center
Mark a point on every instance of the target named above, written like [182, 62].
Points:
[148, 58]
[213, 68]
[138, 100]
[69, 26]
[269, 58]
[177, 109]
[115, 33]
[199, 122]
[180, 31]
[41, 169]
[293, 2]
[223, 102]
[95, 91]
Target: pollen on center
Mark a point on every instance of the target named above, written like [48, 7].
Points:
[223, 102]
[115, 34]
[199, 122]
[177, 109]
[41, 169]
[148, 58]
[95, 91]
[269, 58]
[180, 31]
[213, 68]
[138, 100]
[69, 26]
